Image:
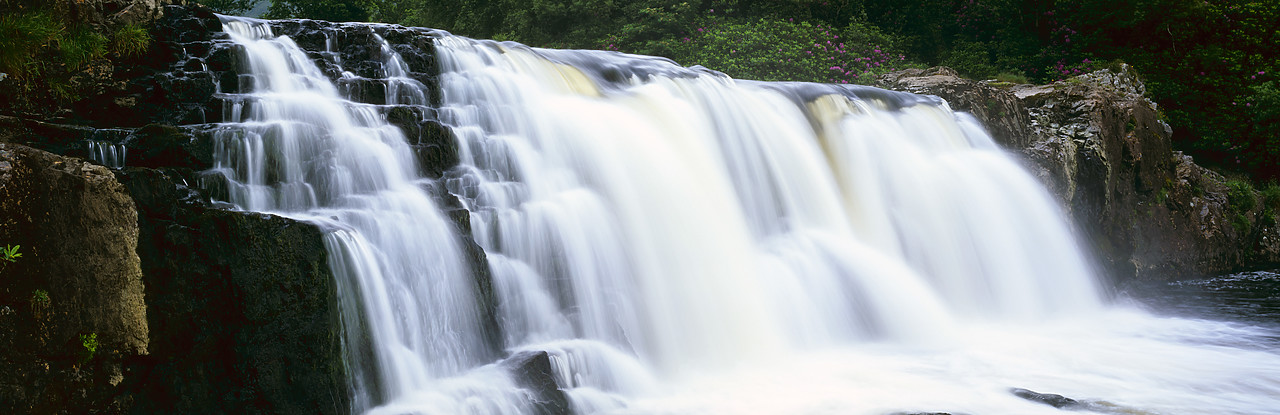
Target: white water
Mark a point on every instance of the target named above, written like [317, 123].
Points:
[682, 243]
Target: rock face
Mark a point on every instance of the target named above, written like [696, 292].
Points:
[72, 310]
[1099, 145]
[243, 306]
[194, 308]
[1003, 115]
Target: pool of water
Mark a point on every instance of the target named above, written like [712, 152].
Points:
[1244, 299]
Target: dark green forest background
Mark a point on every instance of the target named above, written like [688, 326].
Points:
[1210, 65]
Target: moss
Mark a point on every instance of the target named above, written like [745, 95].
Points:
[1012, 78]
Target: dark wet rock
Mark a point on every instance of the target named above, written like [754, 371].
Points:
[244, 327]
[68, 140]
[369, 91]
[532, 371]
[78, 279]
[1100, 146]
[431, 140]
[1056, 401]
[157, 145]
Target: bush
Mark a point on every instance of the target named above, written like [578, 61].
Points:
[1240, 195]
[22, 35]
[130, 40]
[82, 46]
[1271, 195]
[1013, 78]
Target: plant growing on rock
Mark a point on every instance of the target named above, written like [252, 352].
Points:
[89, 342]
[10, 253]
[130, 40]
[22, 35]
[39, 297]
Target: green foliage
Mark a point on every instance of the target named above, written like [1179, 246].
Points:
[39, 298]
[10, 253]
[130, 40]
[1241, 222]
[1271, 195]
[331, 10]
[784, 50]
[81, 46]
[231, 7]
[1013, 78]
[1240, 195]
[43, 50]
[973, 60]
[22, 35]
[89, 342]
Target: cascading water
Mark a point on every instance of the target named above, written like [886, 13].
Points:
[301, 150]
[679, 242]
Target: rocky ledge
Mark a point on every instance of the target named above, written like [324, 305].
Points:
[1100, 145]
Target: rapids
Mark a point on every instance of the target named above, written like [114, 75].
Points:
[679, 242]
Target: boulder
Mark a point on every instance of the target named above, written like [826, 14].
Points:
[72, 310]
[532, 371]
[1056, 401]
[243, 305]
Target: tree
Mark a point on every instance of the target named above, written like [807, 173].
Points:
[232, 7]
[331, 10]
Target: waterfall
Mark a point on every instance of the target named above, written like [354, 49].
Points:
[676, 241]
[107, 153]
[300, 149]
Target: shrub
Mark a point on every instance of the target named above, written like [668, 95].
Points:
[786, 50]
[1240, 195]
[82, 46]
[22, 35]
[1013, 78]
[1271, 195]
[130, 40]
